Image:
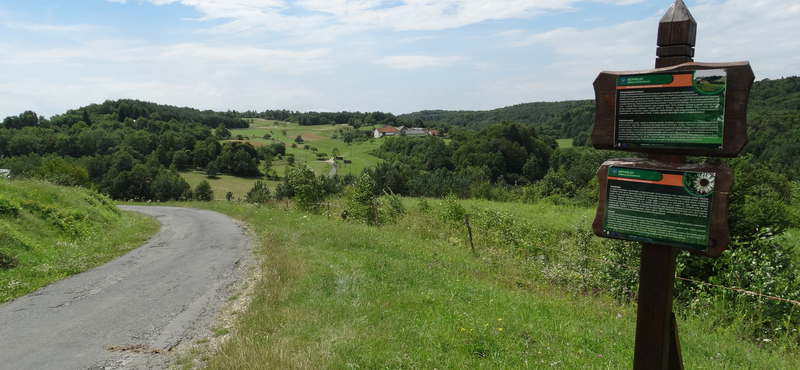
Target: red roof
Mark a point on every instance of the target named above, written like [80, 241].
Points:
[387, 129]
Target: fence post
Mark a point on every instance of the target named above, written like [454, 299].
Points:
[329, 211]
[469, 229]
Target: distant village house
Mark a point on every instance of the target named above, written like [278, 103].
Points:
[402, 130]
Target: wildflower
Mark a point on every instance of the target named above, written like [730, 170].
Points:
[462, 329]
[499, 319]
[500, 329]
[600, 355]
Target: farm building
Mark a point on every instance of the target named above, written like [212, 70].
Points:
[402, 130]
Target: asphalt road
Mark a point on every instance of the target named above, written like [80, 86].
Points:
[130, 312]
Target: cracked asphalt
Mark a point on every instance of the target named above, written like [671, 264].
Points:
[130, 312]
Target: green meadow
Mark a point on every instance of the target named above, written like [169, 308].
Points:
[319, 137]
[410, 294]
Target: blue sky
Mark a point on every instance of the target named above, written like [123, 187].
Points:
[396, 56]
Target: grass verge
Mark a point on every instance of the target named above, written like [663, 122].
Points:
[410, 295]
[49, 232]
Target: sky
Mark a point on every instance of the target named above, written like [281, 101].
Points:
[397, 56]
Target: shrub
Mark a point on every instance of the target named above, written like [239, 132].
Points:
[203, 191]
[361, 198]
[452, 210]
[423, 206]
[8, 206]
[59, 172]
[308, 189]
[620, 281]
[259, 193]
[759, 264]
[7, 260]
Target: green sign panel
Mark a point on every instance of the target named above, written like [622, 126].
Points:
[678, 110]
[659, 207]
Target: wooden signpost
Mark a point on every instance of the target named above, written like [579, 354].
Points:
[677, 110]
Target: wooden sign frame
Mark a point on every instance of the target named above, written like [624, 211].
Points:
[719, 236]
[740, 78]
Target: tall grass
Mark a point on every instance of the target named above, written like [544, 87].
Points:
[410, 295]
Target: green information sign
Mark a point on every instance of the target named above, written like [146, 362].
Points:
[677, 110]
[659, 207]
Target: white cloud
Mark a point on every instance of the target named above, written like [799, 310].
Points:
[764, 32]
[418, 61]
[331, 18]
[53, 28]
[140, 53]
[628, 45]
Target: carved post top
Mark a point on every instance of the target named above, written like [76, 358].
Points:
[677, 26]
[677, 12]
[677, 32]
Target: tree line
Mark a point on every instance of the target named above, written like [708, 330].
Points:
[133, 158]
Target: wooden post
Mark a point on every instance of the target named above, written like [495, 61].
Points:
[469, 229]
[654, 313]
[677, 33]
[329, 211]
[657, 344]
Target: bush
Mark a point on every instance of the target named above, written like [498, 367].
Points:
[423, 206]
[203, 191]
[59, 172]
[758, 264]
[8, 206]
[7, 260]
[259, 193]
[760, 198]
[452, 210]
[361, 198]
[620, 281]
[307, 188]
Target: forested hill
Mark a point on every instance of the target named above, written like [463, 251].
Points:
[133, 109]
[564, 119]
[772, 102]
[773, 123]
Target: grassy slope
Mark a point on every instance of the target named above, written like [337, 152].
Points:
[337, 295]
[60, 232]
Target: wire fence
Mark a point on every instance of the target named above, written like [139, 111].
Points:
[562, 251]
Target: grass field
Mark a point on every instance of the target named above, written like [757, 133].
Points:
[317, 136]
[564, 143]
[410, 295]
